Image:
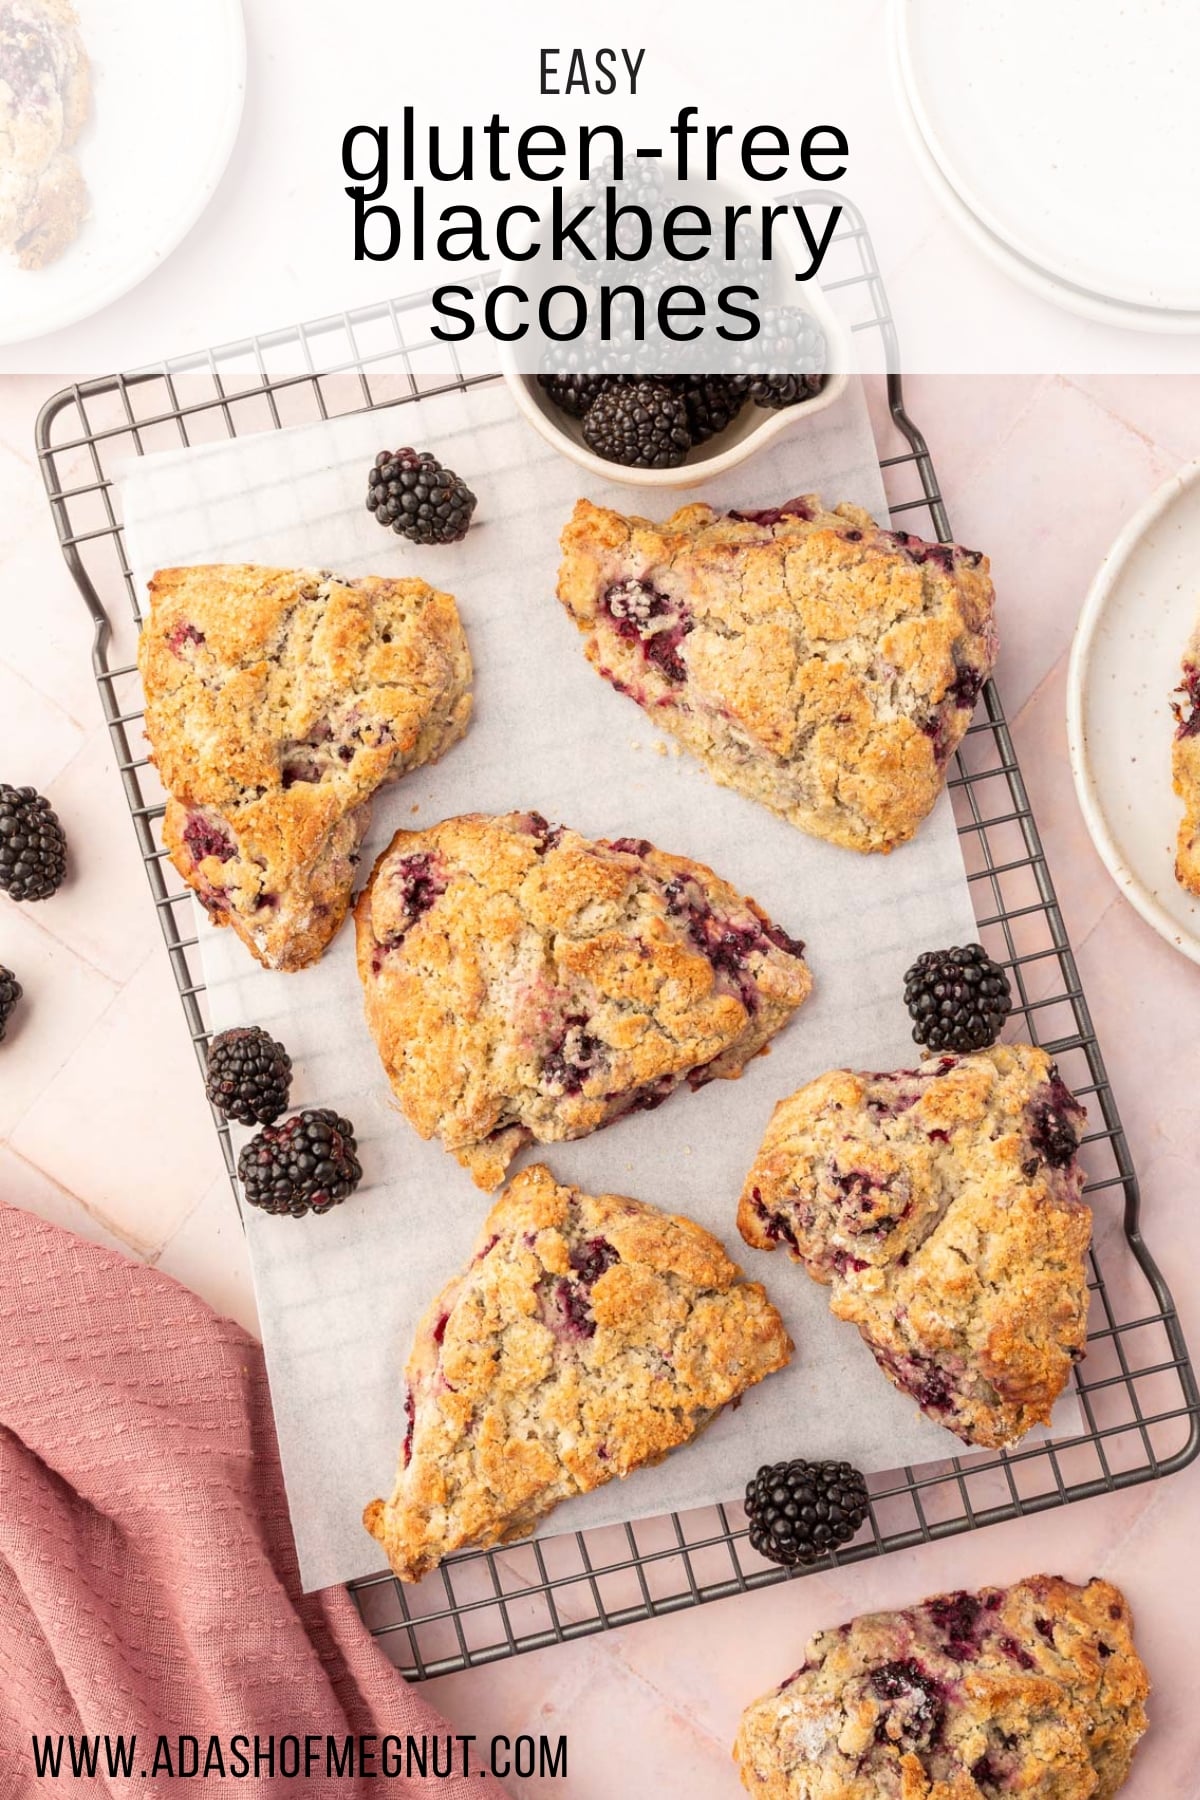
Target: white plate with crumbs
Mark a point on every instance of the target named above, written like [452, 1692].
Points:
[161, 94]
[1125, 666]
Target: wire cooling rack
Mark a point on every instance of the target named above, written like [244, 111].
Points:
[1136, 1389]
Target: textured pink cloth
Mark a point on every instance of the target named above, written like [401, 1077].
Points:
[148, 1581]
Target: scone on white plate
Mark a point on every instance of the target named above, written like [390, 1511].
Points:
[1185, 767]
[45, 95]
[811, 660]
[277, 702]
[943, 1208]
[526, 985]
[588, 1336]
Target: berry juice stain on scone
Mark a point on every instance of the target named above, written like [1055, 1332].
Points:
[588, 1336]
[1035, 1689]
[942, 1206]
[277, 701]
[525, 985]
[809, 659]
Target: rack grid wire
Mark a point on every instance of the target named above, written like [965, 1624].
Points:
[1136, 1389]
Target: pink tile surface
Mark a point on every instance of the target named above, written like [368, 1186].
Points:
[1041, 473]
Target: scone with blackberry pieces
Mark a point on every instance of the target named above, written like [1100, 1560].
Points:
[277, 702]
[1185, 767]
[45, 93]
[943, 1207]
[588, 1336]
[1035, 1689]
[525, 985]
[809, 659]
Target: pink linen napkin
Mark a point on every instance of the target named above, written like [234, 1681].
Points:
[148, 1581]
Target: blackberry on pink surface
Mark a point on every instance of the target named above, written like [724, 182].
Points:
[10, 993]
[33, 849]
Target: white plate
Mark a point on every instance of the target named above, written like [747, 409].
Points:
[1072, 133]
[1080, 301]
[1125, 663]
[168, 81]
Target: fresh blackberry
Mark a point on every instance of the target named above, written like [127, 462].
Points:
[10, 993]
[799, 1511]
[778, 391]
[573, 393]
[33, 850]
[249, 1075]
[957, 999]
[785, 363]
[411, 491]
[711, 274]
[308, 1163]
[643, 425]
[643, 184]
[712, 402]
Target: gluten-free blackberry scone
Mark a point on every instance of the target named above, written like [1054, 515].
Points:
[524, 985]
[942, 1206]
[1185, 767]
[277, 701]
[809, 659]
[1035, 1690]
[45, 92]
[589, 1335]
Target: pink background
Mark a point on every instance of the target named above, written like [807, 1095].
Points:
[1041, 472]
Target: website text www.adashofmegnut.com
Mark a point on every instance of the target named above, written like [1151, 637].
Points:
[246, 1756]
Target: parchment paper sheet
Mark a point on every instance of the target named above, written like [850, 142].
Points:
[338, 1296]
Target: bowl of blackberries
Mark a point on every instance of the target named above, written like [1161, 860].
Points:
[630, 403]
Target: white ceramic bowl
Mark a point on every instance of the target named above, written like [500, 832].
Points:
[754, 428]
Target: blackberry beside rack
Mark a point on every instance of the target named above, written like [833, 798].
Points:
[1137, 1389]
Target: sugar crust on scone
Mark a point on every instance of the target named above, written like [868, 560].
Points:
[1036, 1689]
[524, 984]
[45, 95]
[588, 1336]
[943, 1207]
[809, 659]
[1185, 767]
[277, 702]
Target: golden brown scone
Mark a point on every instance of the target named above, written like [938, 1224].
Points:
[45, 93]
[943, 1207]
[809, 659]
[1185, 767]
[277, 701]
[1034, 1690]
[588, 1336]
[524, 985]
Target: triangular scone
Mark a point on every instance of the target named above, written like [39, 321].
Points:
[526, 985]
[1036, 1690]
[943, 1207]
[809, 659]
[1185, 767]
[589, 1335]
[277, 701]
